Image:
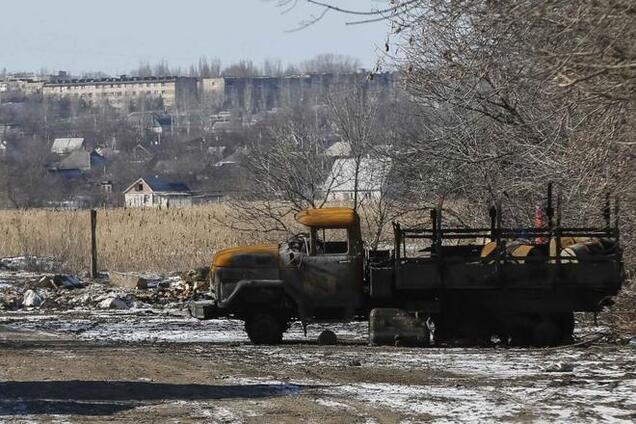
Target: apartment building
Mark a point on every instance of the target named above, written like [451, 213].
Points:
[175, 92]
[257, 94]
[23, 85]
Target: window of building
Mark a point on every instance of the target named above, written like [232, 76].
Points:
[140, 187]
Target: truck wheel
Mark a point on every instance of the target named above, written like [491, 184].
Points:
[520, 332]
[264, 328]
[327, 338]
[566, 324]
[547, 332]
[520, 336]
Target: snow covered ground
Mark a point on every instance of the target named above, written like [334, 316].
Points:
[350, 382]
[461, 384]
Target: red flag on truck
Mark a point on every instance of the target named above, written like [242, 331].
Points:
[539, 223]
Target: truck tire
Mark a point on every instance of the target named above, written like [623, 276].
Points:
[520, 332]
[547, 332]
[566, 324]
[264, 328]
[327, 338]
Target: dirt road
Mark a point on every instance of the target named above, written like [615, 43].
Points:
[152, 367]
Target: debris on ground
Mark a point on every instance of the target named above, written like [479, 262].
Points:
[560, 367]
[33, 298]
[60, 281]
[22, 288]
[132, 280]
[29, 263]
[114, 302]
[196, 275]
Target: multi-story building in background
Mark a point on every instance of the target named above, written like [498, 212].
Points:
[249, 95]
[21, 84]
[119, 92]
[258, 94]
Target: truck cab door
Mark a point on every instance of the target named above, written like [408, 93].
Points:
[331, 275]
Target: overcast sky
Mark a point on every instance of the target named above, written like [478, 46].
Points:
[114, 36]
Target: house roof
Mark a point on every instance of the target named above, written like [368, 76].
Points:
[232, 159]
[159, 185]
[65, 145]
[339, 149]
[79, 160]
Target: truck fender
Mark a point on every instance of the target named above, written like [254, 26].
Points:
[247, 284]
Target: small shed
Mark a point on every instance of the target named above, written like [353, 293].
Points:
[82, 160]
[77, 163]
[154, 192]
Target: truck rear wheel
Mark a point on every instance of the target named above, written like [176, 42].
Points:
[264, 328]
[566, 324]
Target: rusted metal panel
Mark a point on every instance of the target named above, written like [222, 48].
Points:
[328, 217]
[257, 256]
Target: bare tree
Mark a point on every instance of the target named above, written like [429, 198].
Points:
[330, 63]
[354, 114]
[513, 94]
[26, 180]
[523, 94]
[272, 68]
[243, 68]
[287, 171]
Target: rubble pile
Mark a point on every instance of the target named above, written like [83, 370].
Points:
[36, 263]
[22, 290]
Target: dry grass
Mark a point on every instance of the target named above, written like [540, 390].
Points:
[130, 239]
[127, 239]
[621, 317]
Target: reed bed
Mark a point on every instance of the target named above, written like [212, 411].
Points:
[127, 239]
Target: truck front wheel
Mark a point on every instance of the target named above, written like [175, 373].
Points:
[264, 328]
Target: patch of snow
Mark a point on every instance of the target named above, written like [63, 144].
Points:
[333, 404]
[33, 298]
[113, 303]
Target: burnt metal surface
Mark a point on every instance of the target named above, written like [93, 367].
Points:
[480, 272]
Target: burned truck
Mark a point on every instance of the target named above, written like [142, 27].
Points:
[438, 284]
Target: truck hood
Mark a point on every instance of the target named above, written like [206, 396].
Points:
[256, 256]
